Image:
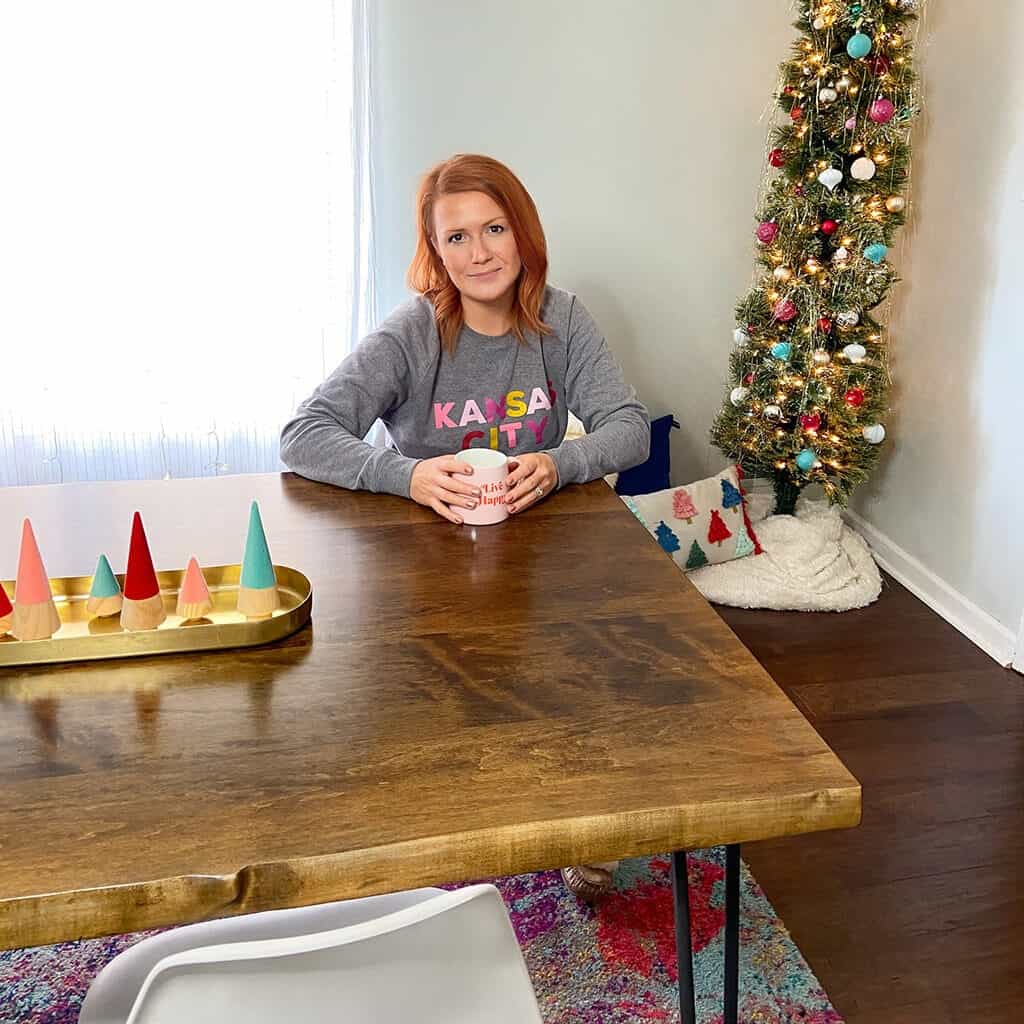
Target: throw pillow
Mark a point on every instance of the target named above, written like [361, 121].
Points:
[700, 524]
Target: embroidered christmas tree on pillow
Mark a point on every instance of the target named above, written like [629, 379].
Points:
[700, 524]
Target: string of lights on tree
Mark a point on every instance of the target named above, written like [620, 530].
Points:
[809, 387]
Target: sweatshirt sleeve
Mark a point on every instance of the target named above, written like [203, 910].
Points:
[618, 426]
[324, 440]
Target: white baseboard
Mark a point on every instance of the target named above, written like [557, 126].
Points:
[977, 625]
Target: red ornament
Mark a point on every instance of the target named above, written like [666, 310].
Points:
[751, 330]
[767, 232]
[799, 190]
[784, 310]
[777, 158]
[140, 580]
[854, 398]
[810, 421]
[749, 379]
[879, 64]
[824, 324]
[797, 113]
[881, 111]
[787, 90]
[829, 227]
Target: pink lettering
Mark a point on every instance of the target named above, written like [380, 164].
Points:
[552, 394]
[471, 413]
[511, 431]
[538, 400]
[538, 428]
[495, 410]
[441, 415]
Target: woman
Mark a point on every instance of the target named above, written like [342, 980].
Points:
[488, 355]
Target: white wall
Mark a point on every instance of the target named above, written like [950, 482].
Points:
[638, 128]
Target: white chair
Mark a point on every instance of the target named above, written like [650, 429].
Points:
[422, 956]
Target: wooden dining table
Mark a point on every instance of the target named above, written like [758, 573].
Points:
[464, 703]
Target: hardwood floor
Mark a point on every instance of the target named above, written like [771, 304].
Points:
[916, 917]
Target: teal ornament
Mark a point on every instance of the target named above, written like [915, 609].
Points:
[855, 9]
[875, 252]
[782, 350]
[257, 568]
[806, 459]
[859, 45]
[104, 583]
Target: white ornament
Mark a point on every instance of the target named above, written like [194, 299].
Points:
[773, 412]
[738, 395]
[855, 353]
[874, 433]
[827, 95]
[819, 23]
[863, 168]
[907, 5]
[848, 318]
[841, 255]
[740, 336]
[821, 357]
[831, 178]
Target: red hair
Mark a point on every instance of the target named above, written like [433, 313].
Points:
[469, 172]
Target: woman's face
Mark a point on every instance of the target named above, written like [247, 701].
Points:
[474, 239]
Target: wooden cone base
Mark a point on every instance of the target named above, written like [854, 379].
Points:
[101, 606]
[145, 614]
[258, 604]
[35, 621]
[195, 610]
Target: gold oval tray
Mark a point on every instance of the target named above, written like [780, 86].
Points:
[82, 637]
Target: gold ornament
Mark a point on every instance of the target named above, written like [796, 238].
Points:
[844, 83]
[895, 204]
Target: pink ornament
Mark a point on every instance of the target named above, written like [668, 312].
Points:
[767, 232]
[851, 123]
[881, 111]
[784, 310]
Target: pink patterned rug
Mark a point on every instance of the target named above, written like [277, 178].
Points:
[611, 965]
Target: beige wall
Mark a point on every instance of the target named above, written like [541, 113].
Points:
[638, 129]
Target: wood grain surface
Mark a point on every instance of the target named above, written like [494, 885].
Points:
[466, 702]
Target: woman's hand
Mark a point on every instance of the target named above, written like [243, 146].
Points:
[531, 477]
[435, 485]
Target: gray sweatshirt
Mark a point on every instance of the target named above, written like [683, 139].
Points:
[492, 392]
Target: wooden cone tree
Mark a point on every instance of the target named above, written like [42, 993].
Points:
[105, 594]
[35, 615]
[194, 599]
[257, 592]
[6, 610]
[143, 606]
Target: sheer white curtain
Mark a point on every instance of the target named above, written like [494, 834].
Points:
[185, 245]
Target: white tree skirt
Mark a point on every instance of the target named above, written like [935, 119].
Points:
[812, 562]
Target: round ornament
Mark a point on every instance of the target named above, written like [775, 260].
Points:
[874, 433]
[782, 274]
[799, 190]
[740, 336]
[854, 398]
[875, 253]
[772, 413]
[831, 178]
[855, 9]
[824, 324]
[863, 168]
[777, 158]
[880, 64]
[806, 459]
[767, 232]
[841, 255]
[855, 353]
[881, 111]
[895, 204]
[748, 379]
[858, 46]
[784, 310]
[844, 83]
[907, 6]
[810, 420]
[782, 350]
[827, 96]
[796, 114]
[851, 124]
[848, 318]
[820, 357]
[738, 395]
[818, 23]
[829, 227]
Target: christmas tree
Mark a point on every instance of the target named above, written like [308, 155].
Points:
[809, 380]
[666, 538]
[683, 506]
[717, 530]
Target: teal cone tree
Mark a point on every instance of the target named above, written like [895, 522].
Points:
[808, 391]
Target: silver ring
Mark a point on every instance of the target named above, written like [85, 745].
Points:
[539, 491]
